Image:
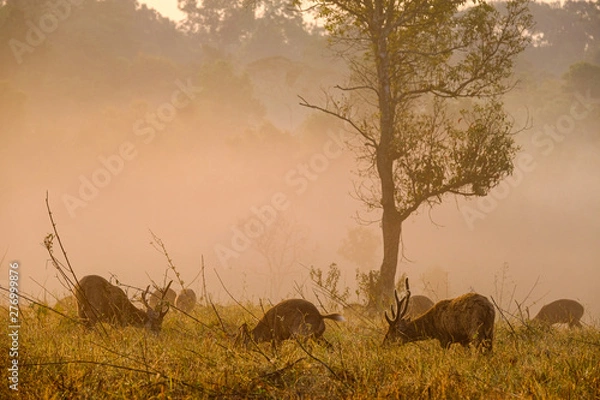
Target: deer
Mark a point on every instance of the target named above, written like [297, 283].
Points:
[100, 301]
[186, 300]
[563, 311]
[464, 319]
[290, 319]
[418, 305]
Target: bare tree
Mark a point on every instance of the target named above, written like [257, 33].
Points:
[280, 246]
[424, 98]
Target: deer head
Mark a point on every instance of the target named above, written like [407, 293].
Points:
[155, 316]
[398, 324]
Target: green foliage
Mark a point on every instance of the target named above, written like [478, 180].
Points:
[564, 35]
[367, 285]
[194, 359]
[219, 80]
[248, 30]
[584, 77]
[329, 282]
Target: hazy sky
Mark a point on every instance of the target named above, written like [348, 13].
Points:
[543, 223]
[168, 8]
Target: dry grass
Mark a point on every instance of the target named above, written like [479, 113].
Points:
[191, 360]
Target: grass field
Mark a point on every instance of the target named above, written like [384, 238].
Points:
[194, 358]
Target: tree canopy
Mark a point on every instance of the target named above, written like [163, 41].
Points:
[411, 62]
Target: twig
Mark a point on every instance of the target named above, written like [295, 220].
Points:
[122, 367]
[233, 298]
[219, 318]
[166, 254]
[32, 301]
[503, 316]
[330, 369]
[279, 372]
[62, 248]
[204, 291]
[48, 243]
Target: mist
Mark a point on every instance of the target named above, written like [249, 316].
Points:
[148, 128]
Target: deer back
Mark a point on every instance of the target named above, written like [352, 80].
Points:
[162, 295]
[293, 317]
[563, 311]
[464, 319]
[186, 300]
[418, 305]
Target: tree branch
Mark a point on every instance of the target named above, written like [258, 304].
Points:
[371, 142]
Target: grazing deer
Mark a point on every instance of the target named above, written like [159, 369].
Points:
[100, 301]
[418, 305]
[465, 319]
[288, 320]
[186, 300]
[563, 311]
[166, 296]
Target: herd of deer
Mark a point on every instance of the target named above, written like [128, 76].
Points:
[465, 319]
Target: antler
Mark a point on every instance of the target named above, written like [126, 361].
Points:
[165, 290]
[144, 302]
[390, 321]
[401, 306]
[161, 302]
[404, 303]
[395, 316]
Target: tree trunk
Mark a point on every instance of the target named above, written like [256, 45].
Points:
[391, 226]
[391, 220]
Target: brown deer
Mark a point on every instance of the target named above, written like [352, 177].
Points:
[418, 305]
[563, 311]
[465, 319]
[288, 320]
[186, 300]
[100, 301]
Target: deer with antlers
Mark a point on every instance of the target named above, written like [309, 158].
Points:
[465, 319]
[100, 301]
[287, 320]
